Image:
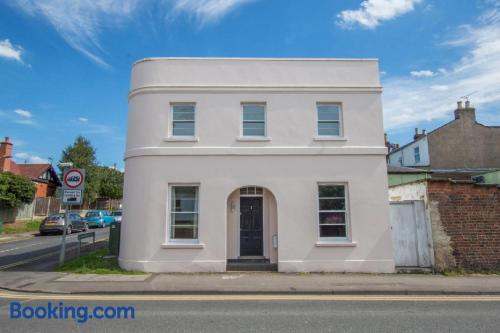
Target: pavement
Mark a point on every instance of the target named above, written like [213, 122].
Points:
[28, 266]
[7, 238]
[250, 283]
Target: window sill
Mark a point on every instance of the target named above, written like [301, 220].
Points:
[256, 138]
[330, 138]
[336, 244]
[181, 139]
[183, 246]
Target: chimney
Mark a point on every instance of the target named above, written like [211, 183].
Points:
[467, 113]
[418, 135]
[5, 155]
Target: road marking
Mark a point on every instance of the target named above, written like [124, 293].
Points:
[184, 298]
[26, 261]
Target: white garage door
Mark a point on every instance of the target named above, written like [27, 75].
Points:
[410, 234]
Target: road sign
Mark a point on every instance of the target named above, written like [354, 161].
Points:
[73, 185]
[72, 194]
[74, 179]
[72, 197]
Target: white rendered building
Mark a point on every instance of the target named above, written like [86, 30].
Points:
[279, 160]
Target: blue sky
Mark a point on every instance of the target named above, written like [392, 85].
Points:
[65, 65]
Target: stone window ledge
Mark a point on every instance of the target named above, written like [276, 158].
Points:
[336, 244]
[183, 246]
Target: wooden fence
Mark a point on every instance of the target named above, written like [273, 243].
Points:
[23, 212]
[47, 206]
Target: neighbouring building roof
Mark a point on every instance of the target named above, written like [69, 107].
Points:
[32, 170]
[400, 169]
[35, 171]
[39, 172]
[458, 174]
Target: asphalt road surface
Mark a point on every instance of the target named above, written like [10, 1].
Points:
[41, 252]
[294, 315]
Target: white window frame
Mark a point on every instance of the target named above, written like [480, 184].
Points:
[346, 211]
[169, 216]
[341, 121]
[171, 135]
[243, 137]
[254, 190]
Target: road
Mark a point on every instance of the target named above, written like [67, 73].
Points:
[297, 314]
[40, 252]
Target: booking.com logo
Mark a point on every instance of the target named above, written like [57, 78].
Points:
[59, 311]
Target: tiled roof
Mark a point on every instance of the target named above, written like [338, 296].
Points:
[32, 171]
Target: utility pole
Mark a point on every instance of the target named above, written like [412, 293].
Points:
[62, 253]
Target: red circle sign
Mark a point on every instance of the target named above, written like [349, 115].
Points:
[73, 178]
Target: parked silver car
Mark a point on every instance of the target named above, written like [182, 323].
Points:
[55, 224]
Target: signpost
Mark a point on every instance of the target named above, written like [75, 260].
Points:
[72, 194]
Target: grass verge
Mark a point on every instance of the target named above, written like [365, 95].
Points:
[94, 263]
[21, 227]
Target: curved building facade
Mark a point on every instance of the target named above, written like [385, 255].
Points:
[280, 161]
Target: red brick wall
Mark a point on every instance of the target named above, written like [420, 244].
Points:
[470, 215]
[44, 190]
[41, 190]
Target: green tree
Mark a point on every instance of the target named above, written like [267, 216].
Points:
[82, 155]
[15, 190]
[110, 183]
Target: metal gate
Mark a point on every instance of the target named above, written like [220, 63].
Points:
[411, 237]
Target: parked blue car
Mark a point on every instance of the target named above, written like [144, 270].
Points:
[98, 218]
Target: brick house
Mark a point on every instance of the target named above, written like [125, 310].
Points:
[43, 174]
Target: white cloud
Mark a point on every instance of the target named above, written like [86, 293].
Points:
[408, 100]
[422, 73]
[25, 157]
[9, 51]
[23, 113]
[372, 12]
[89, 127]
[25, 122]
[207, 11]
[440, 87]
[80, 22]
[38, 160]
[19, 116]
[21, 155]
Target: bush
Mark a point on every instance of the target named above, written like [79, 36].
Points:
[15, 190]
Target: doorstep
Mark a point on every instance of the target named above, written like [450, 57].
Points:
[251, 264]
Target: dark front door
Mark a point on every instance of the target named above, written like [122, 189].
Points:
[251, 226]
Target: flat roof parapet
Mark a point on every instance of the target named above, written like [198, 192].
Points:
[255, 73]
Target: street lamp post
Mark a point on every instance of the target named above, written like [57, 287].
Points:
[64, 166]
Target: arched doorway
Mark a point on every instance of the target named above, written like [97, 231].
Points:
[252, 229]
